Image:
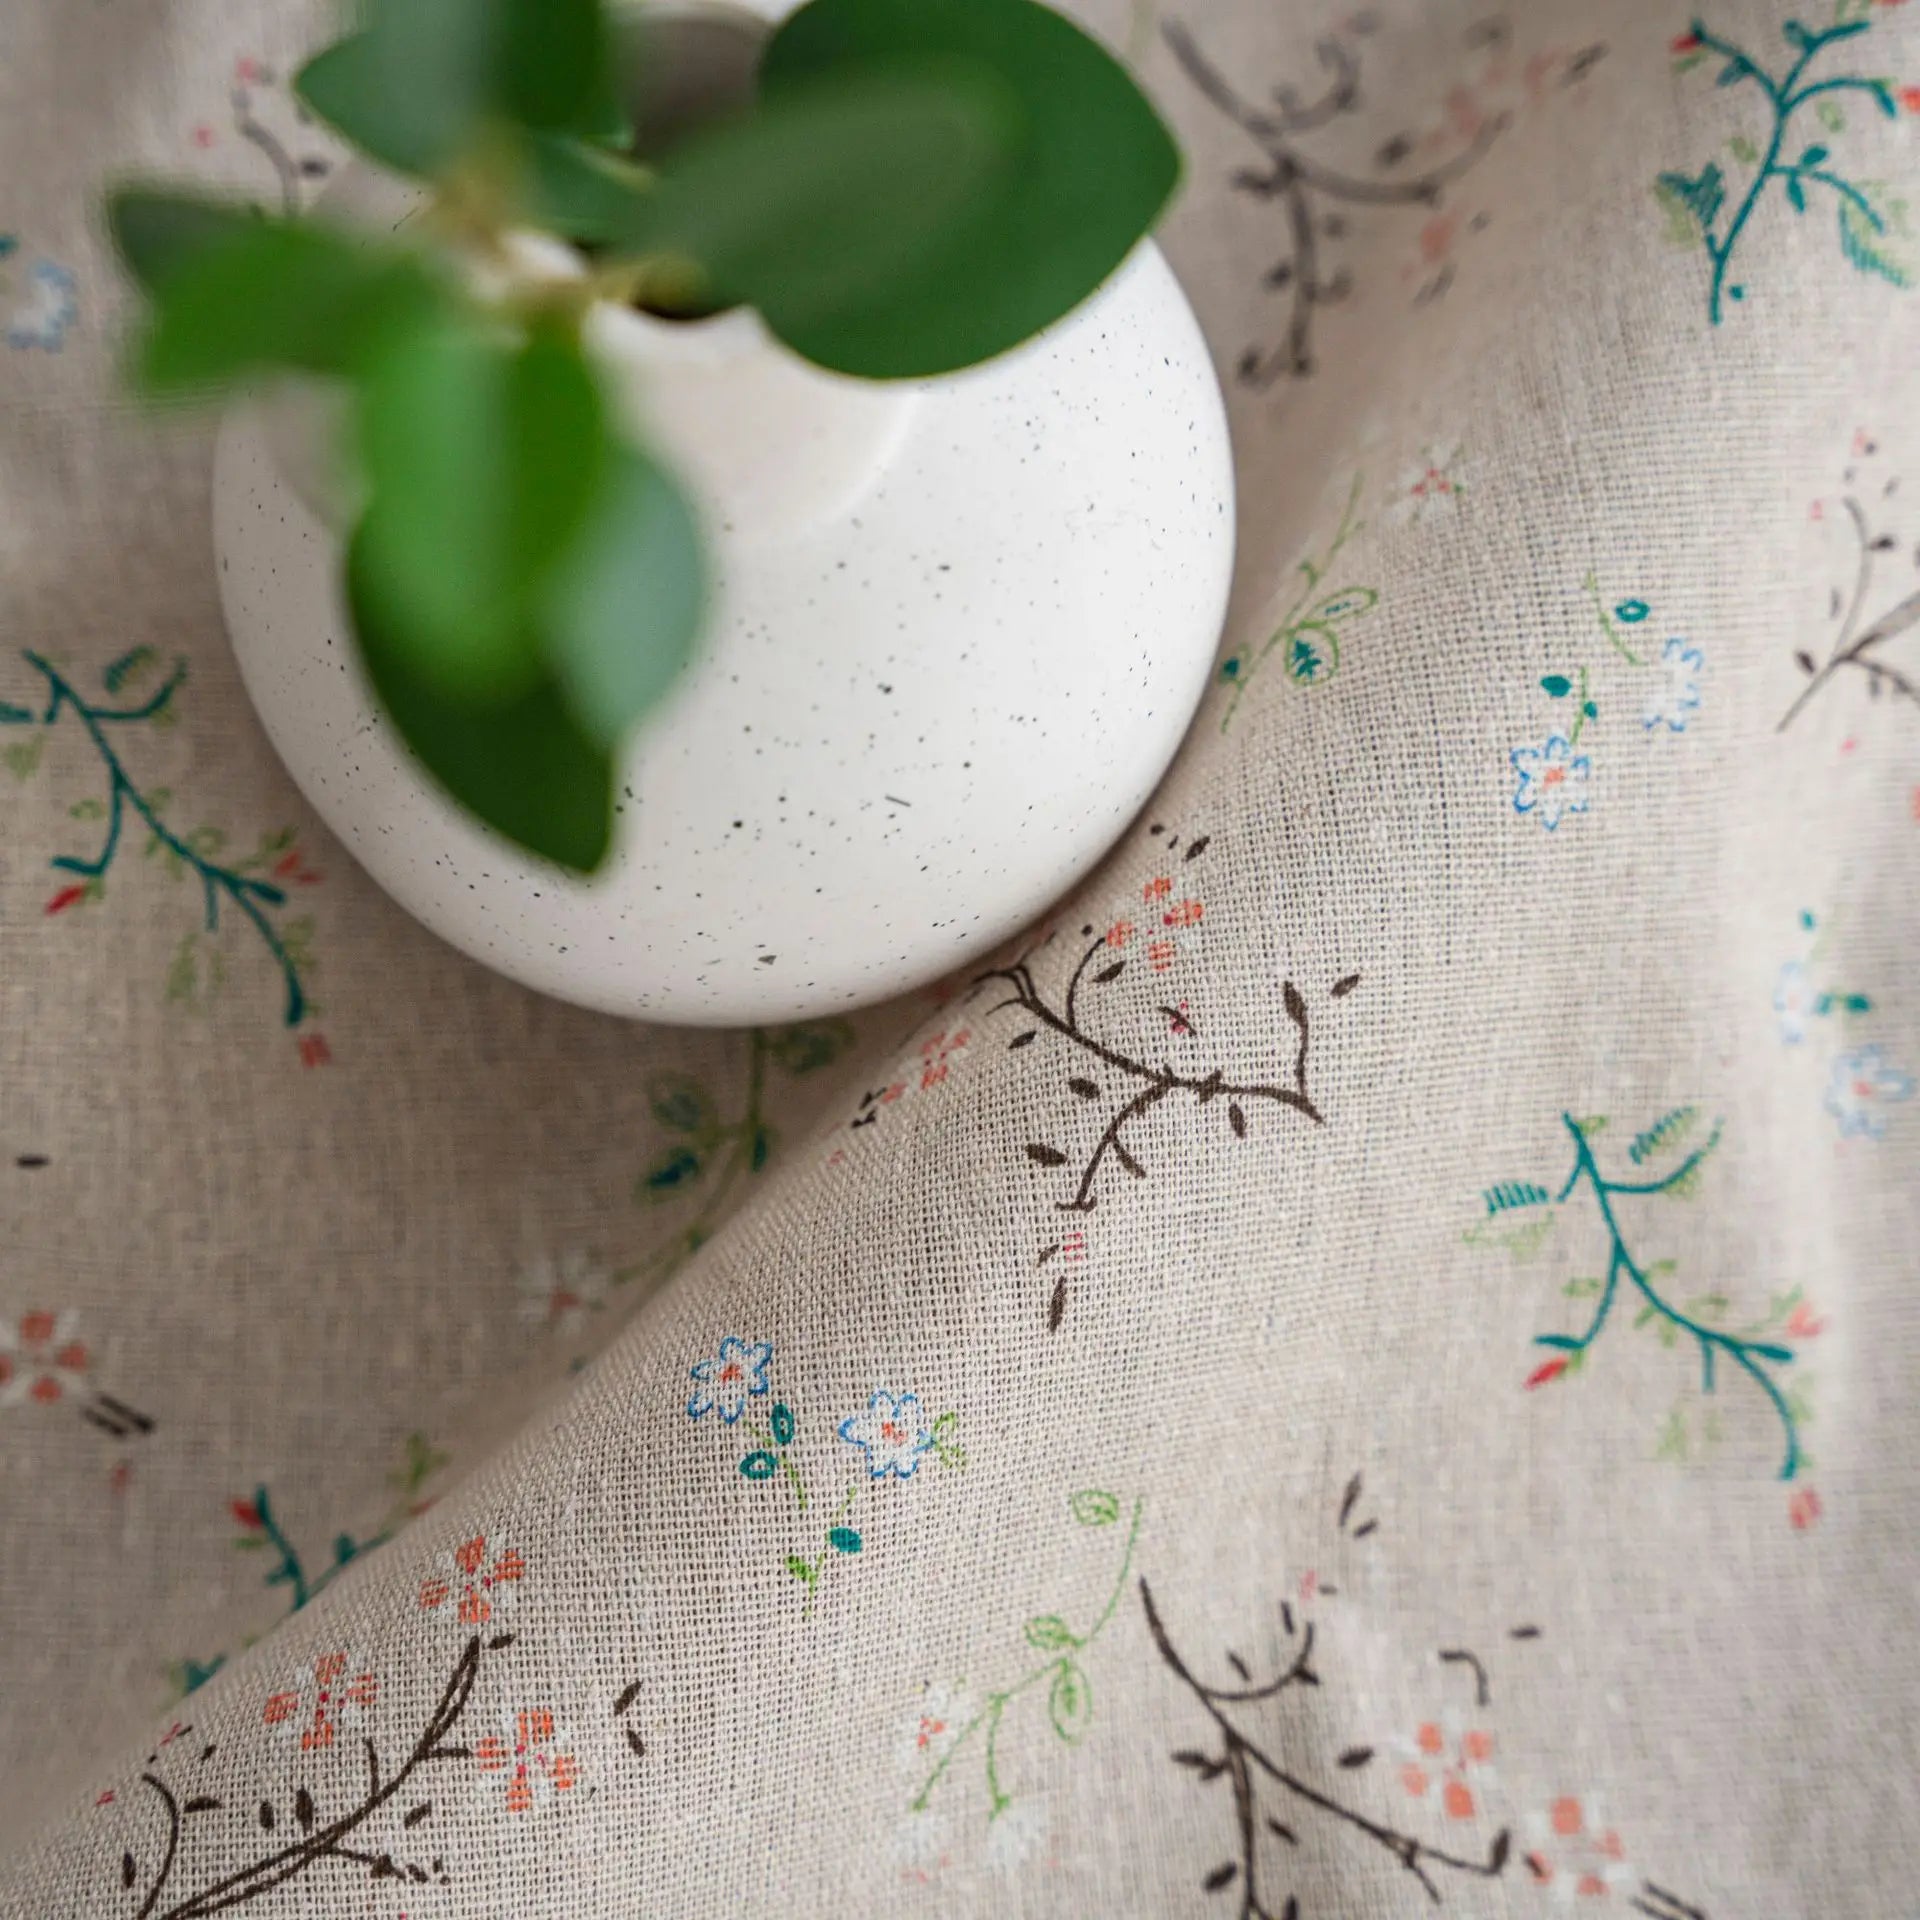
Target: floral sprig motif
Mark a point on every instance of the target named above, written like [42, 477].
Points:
[1860, 640]
[1059, 1668]
[1863, 1083]
[1551, 780]
[1279, 1788]
[1700, 207]
[1319, 200]
[256, 887]
[1759, 1353]
[1307, 635]
[893, 1436]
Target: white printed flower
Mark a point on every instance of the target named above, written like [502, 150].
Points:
[531, 1756]
[891, 1433]
[724, 1382]
[1432, 483]
[937, 1722]
[1553, 780]
[1793, 1001]
[560, 1294]
[1016, 1833]
[477, 1582]
[1864, 1084]
[1677, 695]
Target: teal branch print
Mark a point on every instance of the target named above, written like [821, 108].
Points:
[1308, 634]
[1628, 1278]
[254, 896]
[1701, 206]
[1059, 1669]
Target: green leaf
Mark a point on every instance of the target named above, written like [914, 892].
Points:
[1070, 1702]
[1093, 1508]
[1830, 117]
[1557, 684]
[843, 1540]
[1863, 241]
[277, 294]
[579, 190]
[522, 765]
[412, 87]
[482, 463]
[1813, 155]
[760, 1148]
[760, 1465]
[1743, 149]
[782, 1422]
[800, 1569]
[1094, 166]
[1049, 1633]
[680, 1102]
[671, 1173]
[811, 1045]
[157, 232]
[555, 67]
[620, 617]
[1796, 193]
[1700, 196]
[818, 204]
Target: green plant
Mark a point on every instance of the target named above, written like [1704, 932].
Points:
[917, 186]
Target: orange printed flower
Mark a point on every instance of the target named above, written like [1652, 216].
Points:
[1572, 1849]
[479, 1584]
[1186, 914]
[533, 1755]
[1156, 889]
[1120, 933]
[1160, 955]
[1457, 1760]
[40, 1359]
[314, 1051]
[315, 1705]
[934, 1052]
[1910, 99]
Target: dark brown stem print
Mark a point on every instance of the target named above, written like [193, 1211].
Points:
[313, 1837]
[1303, 186]
[1854, 650]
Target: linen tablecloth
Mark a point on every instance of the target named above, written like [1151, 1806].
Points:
[1363, 1367]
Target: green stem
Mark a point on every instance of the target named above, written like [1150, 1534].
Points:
[1579, 711]
[245, 893]
[1592, 585]
[1710, 1339]
[997, 1703]
[1314, 571]
[291, 1571]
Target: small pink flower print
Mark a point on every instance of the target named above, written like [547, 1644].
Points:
[936, 1724]
[1575, 1854]
[1187, 914]
[314, 1051]
[479, 1584]
[1804, 1324]
[203, 136]
[1803, 1508]
[292, 867]
[65, 898]
[41, 1360]
[531, 1755]
[934, 1054]
[1456, 1760]
[560, 1294]
[246, 70]
[1686, 43]
[312, 1708]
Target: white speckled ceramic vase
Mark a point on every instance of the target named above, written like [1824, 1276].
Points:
[959, 629]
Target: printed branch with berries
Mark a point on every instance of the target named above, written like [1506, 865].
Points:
[1301, 184]
[317, 1836]
[1852, 648]
[1142, 1084]
[1251, 1767]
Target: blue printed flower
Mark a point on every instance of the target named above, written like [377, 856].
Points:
[1863, 1086]
[1678, 692]
[51, 306]
[726, 1381]
[1553, 780]
[892, 1434]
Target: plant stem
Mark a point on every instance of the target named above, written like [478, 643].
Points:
[998, 1702]
[1626, 653]
[1621, 1261]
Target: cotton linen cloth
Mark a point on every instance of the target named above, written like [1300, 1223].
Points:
[1361, 1368]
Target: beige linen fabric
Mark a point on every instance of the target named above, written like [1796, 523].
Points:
[1364, 1369]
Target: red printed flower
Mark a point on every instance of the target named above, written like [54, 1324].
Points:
[1803, 1509]
[247, 1514]
[292, 865]
[934, 1052]
[1551, 1370]
[1910, 99]
[40, 1360]
[1120, 933]
[65, 898]
[478, 1583]
[314, 1051]
[535, 1756]
[1160, 955]
[1804, 1323]
[1687, 43]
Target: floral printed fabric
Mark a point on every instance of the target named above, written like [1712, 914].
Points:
[1361, 1368]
